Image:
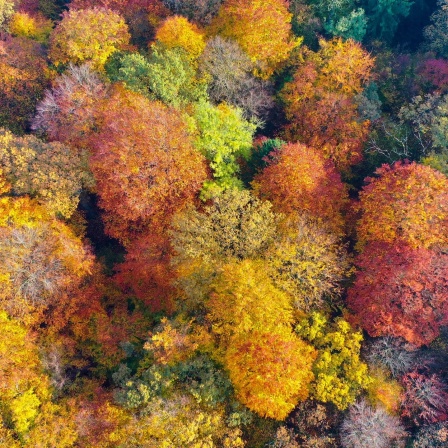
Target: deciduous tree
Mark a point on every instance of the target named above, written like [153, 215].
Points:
[178, 32]
[307, 262]
[271, 371]
[300, 180]
[235, 226]
[88, 35]
[244, 299]
[401, 291]
[222, 135]
[340, 375]
[320, 103]
[261, 28]
[48, 171]
[436, 34]
[406, 202]
[23, 79]
[67, 111]
[197, 11]
[152, 76]
[231, 79]
[425, 399]
[144, 163]
[373, 427]
[42, 262]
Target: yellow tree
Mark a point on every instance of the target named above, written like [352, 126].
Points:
[307, 262]
[178, 32]
[261, 27]
[88, 35]
[243, 299]
[50, 172]
[25, 394]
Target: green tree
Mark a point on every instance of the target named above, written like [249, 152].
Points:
[384, 17]
[166, 74]
[222, 136]
[436, 34]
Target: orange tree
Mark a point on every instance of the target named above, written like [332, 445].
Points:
[300, 180]
[405, 201]
[144, 163]
[319, 101]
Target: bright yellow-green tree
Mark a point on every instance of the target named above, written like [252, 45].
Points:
[340, 373]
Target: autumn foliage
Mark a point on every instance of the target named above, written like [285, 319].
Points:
[67, 111]
[42, 262]
[261, 27]
[177, 32]
[300, 180]
[144, 163]
[23, 79]
[319, 101]
[270, 371]
[406, 202]
[50, 172]
[88, 35]
[211, 235]
[401, 291]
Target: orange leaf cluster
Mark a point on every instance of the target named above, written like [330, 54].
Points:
[320, 101]
[300, 180]
[406, 201]
[144, 163]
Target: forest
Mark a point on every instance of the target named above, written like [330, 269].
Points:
[223, 223]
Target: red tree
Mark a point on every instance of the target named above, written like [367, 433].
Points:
[401, 291]
[146, 272]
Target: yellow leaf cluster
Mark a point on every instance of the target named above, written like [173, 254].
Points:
[340, 373]
[48, 171]
[89, 35]
[37, 28]
[176, 341]
[261, 27]
[177, 422]
[178, 32]
[243, 299]
[384, 391]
